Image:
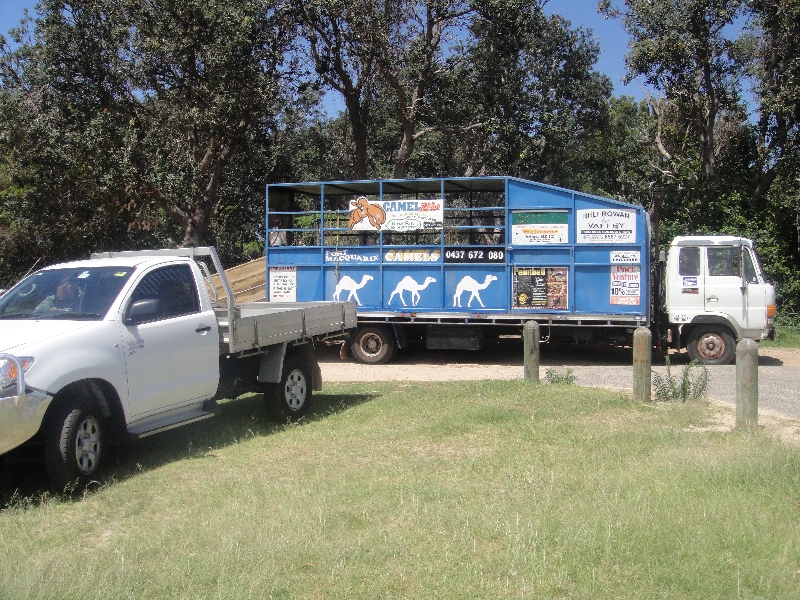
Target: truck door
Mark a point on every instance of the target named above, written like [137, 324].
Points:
[723, 283]
[686, 294]
[756, 292]
[174, 357]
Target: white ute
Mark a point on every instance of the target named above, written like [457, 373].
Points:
[128, 344]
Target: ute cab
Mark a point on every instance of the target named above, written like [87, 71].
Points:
[716, 294]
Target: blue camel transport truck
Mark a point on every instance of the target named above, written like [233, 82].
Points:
[451, 261]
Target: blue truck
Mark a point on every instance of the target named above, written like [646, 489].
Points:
[450, 262]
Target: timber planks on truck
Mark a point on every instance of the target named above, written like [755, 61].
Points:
[246, 280]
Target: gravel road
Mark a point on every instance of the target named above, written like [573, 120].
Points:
[778, 372]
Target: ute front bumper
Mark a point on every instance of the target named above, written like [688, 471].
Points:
[21, 411]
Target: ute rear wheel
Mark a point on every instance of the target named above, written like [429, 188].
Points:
[711, 345]
[290, 400]
[373, 345]
[74, 443]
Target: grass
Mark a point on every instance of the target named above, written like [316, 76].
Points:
[786, 337]
[492, 489]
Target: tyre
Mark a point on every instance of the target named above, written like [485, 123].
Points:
[373, 345]
[74, 444]
[290, 400]
[711, 345]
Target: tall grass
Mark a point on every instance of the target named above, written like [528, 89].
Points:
[787, 328]
[425, 490]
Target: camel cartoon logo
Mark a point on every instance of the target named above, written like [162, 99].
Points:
[349, 284]
[408, 284]
[468, 284]
[364, 210]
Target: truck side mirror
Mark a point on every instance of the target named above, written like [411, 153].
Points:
[143, 311]
[662, 256]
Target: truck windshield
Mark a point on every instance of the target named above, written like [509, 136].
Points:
[71, 294]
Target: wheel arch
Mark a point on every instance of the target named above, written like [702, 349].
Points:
[271, 364]
[701, 320]
[100, 391]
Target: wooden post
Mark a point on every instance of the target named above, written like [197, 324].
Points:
[747, 383]
[530, 334]
[642, 364]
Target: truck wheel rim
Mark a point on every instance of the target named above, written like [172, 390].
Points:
[371, 344]
[295, 390]
[87, 445]
[711, 346]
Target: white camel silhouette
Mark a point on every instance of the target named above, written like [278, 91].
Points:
[407, 283]
[349, 284]
[468, 283]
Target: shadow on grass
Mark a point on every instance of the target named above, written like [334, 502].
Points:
[23, 477]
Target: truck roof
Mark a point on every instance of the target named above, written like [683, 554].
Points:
[711, 240]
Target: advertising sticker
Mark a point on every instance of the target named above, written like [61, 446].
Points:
[541, 287]
[539, 227]
[626, 285]
[608, 225]
[396, 215]
[282, 284]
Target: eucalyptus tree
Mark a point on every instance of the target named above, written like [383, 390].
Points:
[526, 92]
[65, 103]
[128, 114]
[207, 72]
[343, 44]
[700, 56]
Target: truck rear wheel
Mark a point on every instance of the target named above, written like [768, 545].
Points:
[290, 400]
[373, 345]
[74, 443]
[711, 345]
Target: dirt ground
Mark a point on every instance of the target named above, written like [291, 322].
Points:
[506, 362]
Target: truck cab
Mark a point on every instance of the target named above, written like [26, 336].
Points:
[716, 294]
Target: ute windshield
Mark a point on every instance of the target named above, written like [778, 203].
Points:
[83, 294]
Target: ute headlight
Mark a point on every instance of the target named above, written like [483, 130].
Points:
[8, 370]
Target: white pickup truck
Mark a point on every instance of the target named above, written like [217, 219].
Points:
[128, 344]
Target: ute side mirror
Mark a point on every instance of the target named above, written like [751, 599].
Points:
[143, 311]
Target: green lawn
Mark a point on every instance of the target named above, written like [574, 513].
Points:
[423, 490]
[786, 337]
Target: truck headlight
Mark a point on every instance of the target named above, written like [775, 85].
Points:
[8, 370]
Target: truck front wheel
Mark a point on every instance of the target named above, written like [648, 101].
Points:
[74, 443]
[373, 345]
[290, 399]
[711, 345]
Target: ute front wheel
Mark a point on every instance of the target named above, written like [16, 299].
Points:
[373, 345]
[711, 345]
[74, 443]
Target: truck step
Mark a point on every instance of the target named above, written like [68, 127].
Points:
[173, 419]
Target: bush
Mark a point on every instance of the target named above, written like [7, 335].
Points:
[688, 388]
[553, 376]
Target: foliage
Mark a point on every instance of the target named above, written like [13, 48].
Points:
[150, 124]
[690, 386]
[554, 377]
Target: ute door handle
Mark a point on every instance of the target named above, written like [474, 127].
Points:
[202, 329]
[712, 299]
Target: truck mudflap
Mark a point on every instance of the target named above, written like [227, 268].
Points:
[21, 414]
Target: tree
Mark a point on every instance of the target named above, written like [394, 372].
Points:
[343, 41]
[685, 50]
[680, 47]
[128, 113]
[526, 92]
[206, 71]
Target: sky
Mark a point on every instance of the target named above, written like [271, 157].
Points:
[610, 35]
